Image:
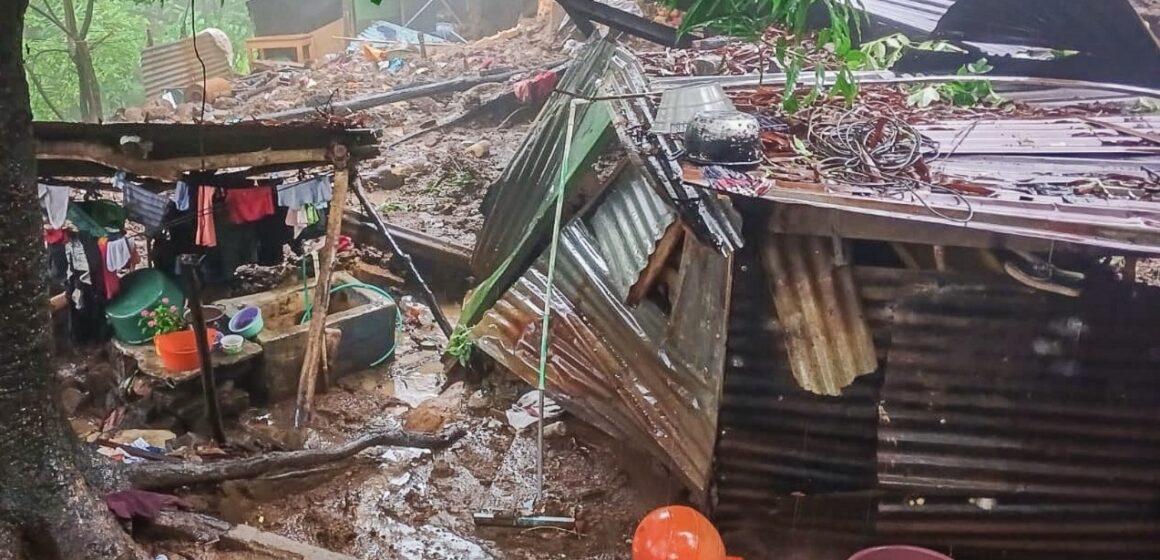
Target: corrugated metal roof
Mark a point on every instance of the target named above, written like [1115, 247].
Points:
[917, 15]
[518, 206]
[175, 65]
[819, 311]
[639, 217]
[1045, 136]
[706, 215]
[645, 375]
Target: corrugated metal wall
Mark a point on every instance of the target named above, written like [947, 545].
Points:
[175, 65]
[1005, 423]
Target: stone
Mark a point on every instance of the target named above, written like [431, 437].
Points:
[432, 414]
[478, 401]
[441, 468]
[72, 399]
[426, 419]
[555, 430]
[133, 114]
[480, 149]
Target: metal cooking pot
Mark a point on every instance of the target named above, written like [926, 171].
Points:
[723, 138]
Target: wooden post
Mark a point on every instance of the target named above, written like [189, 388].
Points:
[191, 265]
[316, 335]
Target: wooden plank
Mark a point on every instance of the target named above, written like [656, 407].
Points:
[171, 169]
[315, 340]
[656, 263]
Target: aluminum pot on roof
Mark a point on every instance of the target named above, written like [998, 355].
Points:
[729, 138]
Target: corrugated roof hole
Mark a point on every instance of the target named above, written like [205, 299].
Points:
[820, 313]
[660, 267]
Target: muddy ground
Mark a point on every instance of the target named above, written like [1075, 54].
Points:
[390, 503]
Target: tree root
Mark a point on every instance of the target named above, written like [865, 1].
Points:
[162, 476]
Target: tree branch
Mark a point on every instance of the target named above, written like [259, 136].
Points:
[40, 91]
[52, 19]
[160, 476]
[88, 19]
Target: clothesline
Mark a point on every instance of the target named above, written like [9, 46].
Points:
[217, 206]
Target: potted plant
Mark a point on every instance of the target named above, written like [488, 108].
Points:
[175, 342]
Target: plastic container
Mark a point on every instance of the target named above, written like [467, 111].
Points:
[140, 290]
[178, 350]
[213, 315]
[233, 344]
[247, 322]
[898, 552]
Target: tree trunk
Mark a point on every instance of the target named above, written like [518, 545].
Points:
[82, 57]
[44, 497]
[92, 109]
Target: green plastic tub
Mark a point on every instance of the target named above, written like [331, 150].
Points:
[140, 290]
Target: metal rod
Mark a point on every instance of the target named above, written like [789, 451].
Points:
[412, 273]
[544, 336]
[417, 14]
[494, 520]
[191, 270]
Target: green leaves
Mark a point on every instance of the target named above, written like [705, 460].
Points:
[963, 93]
[923, 97]
[884, 53]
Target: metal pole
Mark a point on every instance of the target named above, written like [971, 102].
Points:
[191, 270]
[413, 273]
[419, 13]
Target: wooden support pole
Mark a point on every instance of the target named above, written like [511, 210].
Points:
[316, 335]
[192, 269]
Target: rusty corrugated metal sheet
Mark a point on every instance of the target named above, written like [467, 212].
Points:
[642, 374]
[1014, 425]
[819, 311]
[777, 439]
[175, 65]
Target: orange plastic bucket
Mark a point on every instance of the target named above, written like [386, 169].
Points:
[178, 351]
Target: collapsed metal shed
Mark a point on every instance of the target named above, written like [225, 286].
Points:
[845, 395]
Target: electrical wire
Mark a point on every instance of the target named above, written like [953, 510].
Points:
[879, 152]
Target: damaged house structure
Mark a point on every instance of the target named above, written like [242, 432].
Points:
[918, 328]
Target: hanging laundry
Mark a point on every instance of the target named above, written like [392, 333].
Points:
[181, 196]
[54, 200]
[317, 192]
[206, 233]
[118, 254]
[250, 204]
[55, 237]
[146, 207]
[311, 212]
[111, 280]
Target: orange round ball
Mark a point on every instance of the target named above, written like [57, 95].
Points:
[676, 533]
